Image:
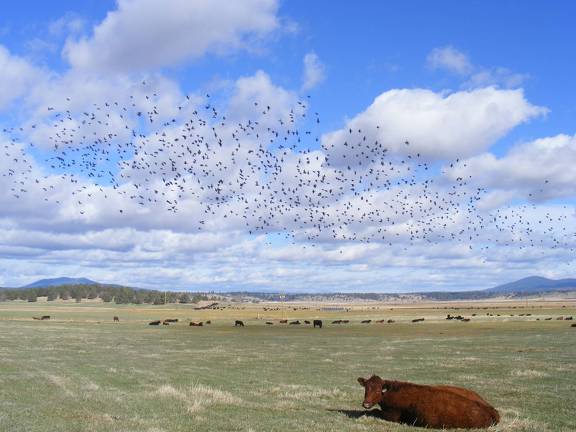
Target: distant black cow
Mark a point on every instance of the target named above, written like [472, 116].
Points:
[116, 319]
[337, 322]
[155, 322]
[345, 321]
[45, 317]
[317, 323]
[366, 322]
[573, 325]
[306, 322]
[417, 320]
[171, 320]
[165, 323]
[238, 323]
[568, 318]
[269, 323]
[295, 322]
[390, 321]
[208, 322]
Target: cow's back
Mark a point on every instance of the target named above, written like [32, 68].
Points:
[439, 407]
[472, 395]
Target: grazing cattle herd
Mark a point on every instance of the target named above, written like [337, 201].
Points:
[318, 323]
[437, 407]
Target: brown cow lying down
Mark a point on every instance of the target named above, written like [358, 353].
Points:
[428, 406]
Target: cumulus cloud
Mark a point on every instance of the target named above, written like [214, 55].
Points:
[256, 97]
[16, 77]
[69, 225]
[314, 71]
[452, 60]
[147, 34]
[438, 125]
[538, 170]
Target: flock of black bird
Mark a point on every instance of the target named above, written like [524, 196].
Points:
[268, 171]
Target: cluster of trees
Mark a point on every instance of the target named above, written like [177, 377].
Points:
[116, 294]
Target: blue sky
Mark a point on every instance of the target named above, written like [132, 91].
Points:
[515, 55]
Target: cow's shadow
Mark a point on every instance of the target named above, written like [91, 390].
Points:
[356, 414]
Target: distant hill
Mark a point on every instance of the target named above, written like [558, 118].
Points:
[43, 283]
[534, 284]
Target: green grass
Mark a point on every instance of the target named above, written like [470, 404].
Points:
[81, 372]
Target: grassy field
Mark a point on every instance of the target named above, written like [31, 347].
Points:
[82, 372]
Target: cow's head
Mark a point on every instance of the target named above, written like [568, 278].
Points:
[373, 388]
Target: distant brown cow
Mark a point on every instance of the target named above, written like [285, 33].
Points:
[283, 321]
[238, 323]
[45, 317]
[208, 322]
[196, 324]
[116, 319]
[295, 322]
[366, 322]
[436, 407]
[573, 325]
[155, 322]
[171, 320]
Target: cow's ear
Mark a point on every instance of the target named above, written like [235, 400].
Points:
[362, 381]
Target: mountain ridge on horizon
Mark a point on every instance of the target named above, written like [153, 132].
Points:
[530, 284]
[50, 282]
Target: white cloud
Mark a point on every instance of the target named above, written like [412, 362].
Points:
[256, 97]
[539, 170]
[451, 59]
[496, 76]
[436, 125]
[67, 25]
[147, 34]
[16, 77]
[455, 61]
[314, 71]
[40, 237]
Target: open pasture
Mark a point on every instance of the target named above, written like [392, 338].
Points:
[80, 371]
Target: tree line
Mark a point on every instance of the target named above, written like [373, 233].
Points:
[107, 293]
